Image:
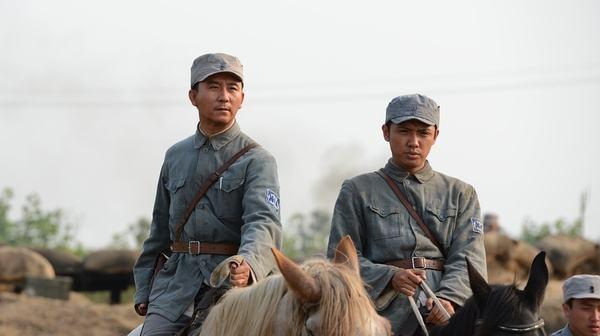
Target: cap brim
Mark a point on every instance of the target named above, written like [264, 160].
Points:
[218, 72]
[399, 120]
[583, 296]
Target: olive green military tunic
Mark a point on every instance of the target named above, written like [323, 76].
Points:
[242, 207]
[563, 332]
[383, 230]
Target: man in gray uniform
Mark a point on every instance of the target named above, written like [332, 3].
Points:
[239, 215]
[396, 255]
[581, 305]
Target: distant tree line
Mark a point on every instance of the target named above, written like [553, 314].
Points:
[35, 226]
[306, 235]
[38, 227]
[532, 232]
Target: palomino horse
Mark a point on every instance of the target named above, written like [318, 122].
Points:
[318, 298]
[501, 309]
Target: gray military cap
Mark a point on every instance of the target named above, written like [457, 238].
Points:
[414, 106]
[210, 64]
[583, 286]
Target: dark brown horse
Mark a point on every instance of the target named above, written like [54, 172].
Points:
[501, 309]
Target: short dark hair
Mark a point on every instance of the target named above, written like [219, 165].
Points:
[389, 123]
[569, 302]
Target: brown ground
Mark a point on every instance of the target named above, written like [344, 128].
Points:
[32, 316]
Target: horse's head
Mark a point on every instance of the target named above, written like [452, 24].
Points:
[330, 298]
[506, 310]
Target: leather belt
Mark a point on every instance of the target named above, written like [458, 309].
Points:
[196, 247]
[418, 263]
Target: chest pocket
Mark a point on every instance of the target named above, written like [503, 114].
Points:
[175, 184]
[441, 219]
[228, 192]
[385, 222]
[175, 188]
[229, 184]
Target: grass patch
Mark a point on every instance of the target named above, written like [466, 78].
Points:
[104, 296]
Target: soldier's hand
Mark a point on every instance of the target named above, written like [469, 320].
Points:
[141, 309]
[406, 281]
[239, 274]
[436, 317]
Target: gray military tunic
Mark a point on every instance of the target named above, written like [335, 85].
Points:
[563, 332]
[242, 208]
[382, 229]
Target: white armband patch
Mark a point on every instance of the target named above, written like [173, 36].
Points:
[272, 199]
[477, 226]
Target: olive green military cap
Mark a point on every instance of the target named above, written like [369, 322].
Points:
[210, 64]
[582, 286]
[414, 106]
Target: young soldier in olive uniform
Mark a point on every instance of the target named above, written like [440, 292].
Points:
[581, 305]
[384, 232]
[240, 209]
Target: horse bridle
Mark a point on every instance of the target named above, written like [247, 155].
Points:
[520, 329]
[306, 308]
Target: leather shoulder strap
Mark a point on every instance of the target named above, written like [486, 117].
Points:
[411, 210]
[212, 178]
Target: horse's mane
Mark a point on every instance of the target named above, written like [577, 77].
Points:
[253, 310]
[503, 302]
[345, 305]
[461, 323]
[246, 309]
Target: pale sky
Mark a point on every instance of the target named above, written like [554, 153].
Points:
[92, 93]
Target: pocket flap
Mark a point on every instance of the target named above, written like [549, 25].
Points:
[229, 184]
[384, 211]
[441, 213]
[174, 184]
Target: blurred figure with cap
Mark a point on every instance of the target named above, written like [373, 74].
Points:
[491, 222]
[396, 253]
[230, 228]
[581, 305]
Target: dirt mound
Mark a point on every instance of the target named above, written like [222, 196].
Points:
[32, 316]
[18, 262]
[110, 261]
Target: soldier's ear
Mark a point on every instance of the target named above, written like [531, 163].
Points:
[386, 132]
[243, 96]
[192, 96]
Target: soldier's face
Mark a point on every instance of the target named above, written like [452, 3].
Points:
[218, 99]
[410, 143]
[583, 316]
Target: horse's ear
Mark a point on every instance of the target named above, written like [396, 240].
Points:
[481, 289]
[538, 280]
[305, 287]
[345, 253]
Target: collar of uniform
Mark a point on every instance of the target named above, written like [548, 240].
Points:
[218, 140]
[399, 173]
[566, 331]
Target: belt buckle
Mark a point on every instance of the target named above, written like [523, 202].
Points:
[194, 243]
[419, 262]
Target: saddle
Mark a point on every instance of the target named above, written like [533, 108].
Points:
[209, 299]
